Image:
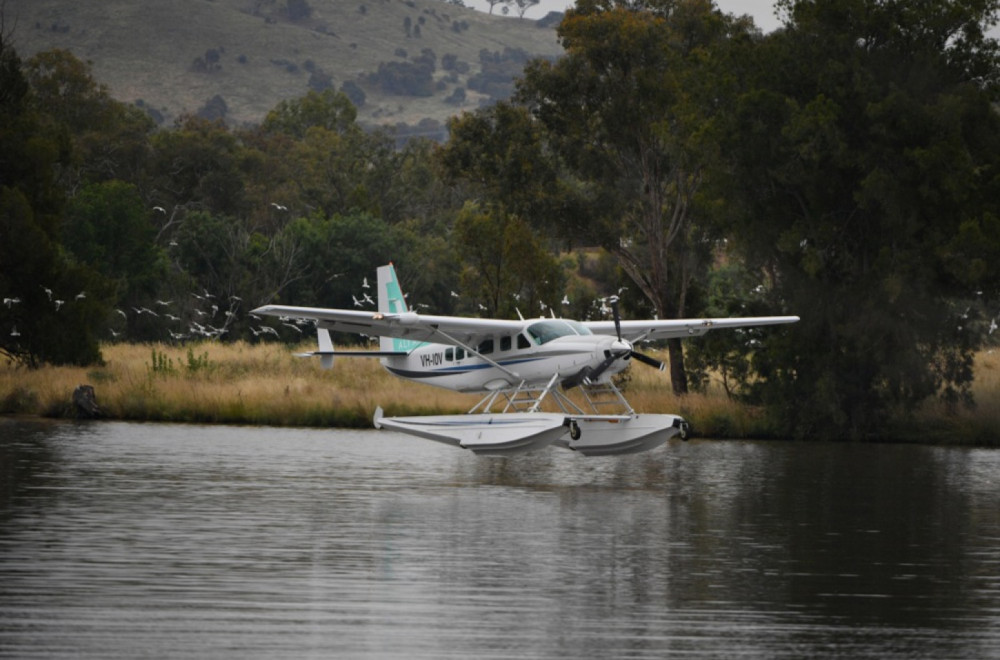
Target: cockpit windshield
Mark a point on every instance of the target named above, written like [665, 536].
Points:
[545, 331]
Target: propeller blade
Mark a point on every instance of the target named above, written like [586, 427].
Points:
[645, 359]
[599, 369]
[587, 375]
[573, 381]
[616, 315]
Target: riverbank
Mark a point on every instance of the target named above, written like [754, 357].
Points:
[266, 384]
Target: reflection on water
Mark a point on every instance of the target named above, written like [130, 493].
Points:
[129, 540]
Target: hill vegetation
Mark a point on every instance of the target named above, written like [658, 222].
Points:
[400, 61]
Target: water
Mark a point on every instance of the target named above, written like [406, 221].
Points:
[160, 541]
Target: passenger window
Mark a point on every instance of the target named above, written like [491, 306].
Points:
[459, 353]
[449, 354]
[486, 347]
[505, 343]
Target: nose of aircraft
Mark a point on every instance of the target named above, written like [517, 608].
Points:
[619, 345]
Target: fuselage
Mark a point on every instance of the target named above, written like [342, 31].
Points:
[532, 356]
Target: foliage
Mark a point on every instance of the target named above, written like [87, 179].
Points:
[108, 227]
[507, 269]
[619, 122]
[52, 307]
[180, 232]
[326, 109]
[863, 161]
[404, 78]
[109, 138]
[161, 364]
[498, 71]
[728, 357]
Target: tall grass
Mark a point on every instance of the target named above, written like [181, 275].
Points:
[223, 383]
[266, 384]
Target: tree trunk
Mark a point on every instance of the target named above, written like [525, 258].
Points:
[85, 401]
[678, 374]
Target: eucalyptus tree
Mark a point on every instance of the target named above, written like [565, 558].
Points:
[506, 268]
[865, 161]
[626, 112]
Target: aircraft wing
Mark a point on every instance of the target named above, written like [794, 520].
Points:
[679, 328]
[454, 330]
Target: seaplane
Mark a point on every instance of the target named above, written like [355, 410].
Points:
[527, 371]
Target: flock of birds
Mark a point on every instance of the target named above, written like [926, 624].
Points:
[10, 303]
[208, 316]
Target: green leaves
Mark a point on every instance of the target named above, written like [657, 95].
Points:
[506, 266]
[873, 202]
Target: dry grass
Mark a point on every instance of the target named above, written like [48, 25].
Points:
[266, 384]
[979, 425]
[223, 383]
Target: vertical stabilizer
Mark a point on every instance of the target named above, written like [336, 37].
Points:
[390, 295]
[392, 301]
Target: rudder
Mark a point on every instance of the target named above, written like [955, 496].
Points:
[392, 301]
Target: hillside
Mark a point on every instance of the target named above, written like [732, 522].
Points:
[412, 59]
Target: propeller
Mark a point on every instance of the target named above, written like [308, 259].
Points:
[645, 359]
[588, 375]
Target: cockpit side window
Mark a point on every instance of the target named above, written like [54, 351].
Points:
[545, 331]
[580, 328]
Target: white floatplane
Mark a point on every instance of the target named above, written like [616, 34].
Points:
[518, 365]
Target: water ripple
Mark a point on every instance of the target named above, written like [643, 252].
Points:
[133, 540]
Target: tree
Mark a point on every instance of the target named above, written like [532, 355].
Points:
[506, 269]
[524, 5]
[325, 109]
[865, 156]
[336, 254]
[43, 317]
[626, 110]
[108, 228]
[200, 164]
[494, 3]
[110, 139]
[501, 151]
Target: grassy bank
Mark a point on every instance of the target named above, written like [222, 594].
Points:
[265, 384]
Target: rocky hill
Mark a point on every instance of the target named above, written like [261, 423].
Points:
[413, 62]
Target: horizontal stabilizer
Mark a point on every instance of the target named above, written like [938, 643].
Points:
[326, 352]
[347, 354]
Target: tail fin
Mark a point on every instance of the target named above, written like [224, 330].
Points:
[390, 295]
[392, 301]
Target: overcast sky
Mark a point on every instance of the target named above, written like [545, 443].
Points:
[761, 10]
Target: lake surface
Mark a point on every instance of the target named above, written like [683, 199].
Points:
[164, 541]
